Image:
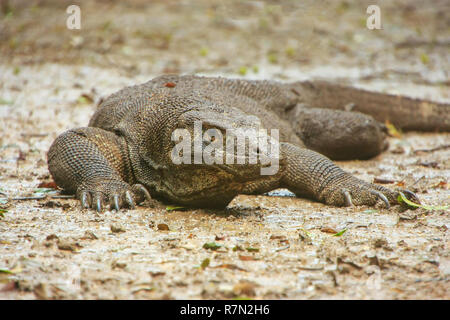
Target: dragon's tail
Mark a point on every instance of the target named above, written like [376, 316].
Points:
[405, 113]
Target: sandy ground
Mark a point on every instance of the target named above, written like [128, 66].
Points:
[270, 246]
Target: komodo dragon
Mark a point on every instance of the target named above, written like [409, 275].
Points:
[124, 156]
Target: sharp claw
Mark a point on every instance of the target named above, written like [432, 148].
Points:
[116, 202]
[99, 204]
[146, 194]
[382, 197]
[84, 200]
[129, 199]
[348, 199]
[411, 196]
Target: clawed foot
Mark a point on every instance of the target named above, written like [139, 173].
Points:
[376, 194]
[116, 193]
[355, 192]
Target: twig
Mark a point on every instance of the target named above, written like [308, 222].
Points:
[419, 42]
[282, 248]
[34, 135]
[64, 196]
[30, 198]
[61, 196]
[443, 147]
[311, 268]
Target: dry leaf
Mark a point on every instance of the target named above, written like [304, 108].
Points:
[163, 227]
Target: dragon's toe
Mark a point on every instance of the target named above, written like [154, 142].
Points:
[115, 193]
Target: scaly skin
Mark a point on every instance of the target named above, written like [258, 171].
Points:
[123, 157]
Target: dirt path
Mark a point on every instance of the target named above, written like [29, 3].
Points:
[274, 246]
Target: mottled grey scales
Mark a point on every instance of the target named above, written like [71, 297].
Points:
[123, 156]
